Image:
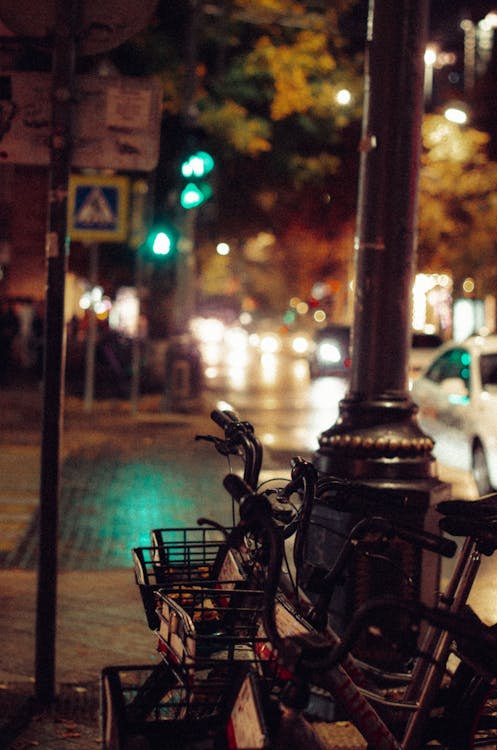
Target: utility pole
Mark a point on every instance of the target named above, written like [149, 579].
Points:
[376, 437]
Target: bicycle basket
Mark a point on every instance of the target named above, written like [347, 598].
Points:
[246, 726]
[189, 554]
[222, 708]
[288, 623]
[197, 621]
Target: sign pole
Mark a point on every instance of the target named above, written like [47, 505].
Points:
[57, 247]
[91, 337]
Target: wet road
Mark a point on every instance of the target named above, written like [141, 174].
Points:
[124, 474]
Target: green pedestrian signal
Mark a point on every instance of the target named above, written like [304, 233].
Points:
[161, 242]
[195, 169]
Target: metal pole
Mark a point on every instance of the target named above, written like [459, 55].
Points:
[54, 342]
[91, 333]
[141, 211]
[376, 437]
[185, 297]
[378, 408]
[136, 343]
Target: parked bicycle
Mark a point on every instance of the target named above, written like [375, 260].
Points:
[248, 661]
[439, 705]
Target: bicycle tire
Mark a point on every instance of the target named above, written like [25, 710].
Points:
[159, 681]
[470, 715]
[113, 715]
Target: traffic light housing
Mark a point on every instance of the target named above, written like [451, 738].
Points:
[196, 168]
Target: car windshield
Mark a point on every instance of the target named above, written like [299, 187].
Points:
[454, 363]
[488, 369]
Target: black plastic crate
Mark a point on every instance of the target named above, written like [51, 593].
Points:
[221, 708]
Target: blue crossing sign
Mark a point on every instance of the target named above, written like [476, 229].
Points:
[98, 208]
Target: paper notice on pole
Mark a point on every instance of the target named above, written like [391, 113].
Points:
[128, 110]
[116, 121]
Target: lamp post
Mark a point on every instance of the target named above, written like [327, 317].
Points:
[376, 437]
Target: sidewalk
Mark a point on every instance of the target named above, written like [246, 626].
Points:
[100, 618]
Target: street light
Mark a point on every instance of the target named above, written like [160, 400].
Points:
[478, 43]
[343, 97]
[456, 115]
[222, 248]
[485, 40]
[434, 59]
[430, 58]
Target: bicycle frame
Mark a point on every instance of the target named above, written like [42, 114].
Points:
[346, 680]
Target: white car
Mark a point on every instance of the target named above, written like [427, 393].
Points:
[457, 399]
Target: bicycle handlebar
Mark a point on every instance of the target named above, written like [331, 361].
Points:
[252, 504]
[420, 538]
[224, 419]
[239, 439]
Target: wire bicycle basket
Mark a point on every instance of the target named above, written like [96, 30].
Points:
[194, 555]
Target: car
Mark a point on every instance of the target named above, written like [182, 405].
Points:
[330, 353]
[457, 400]
[422, 350]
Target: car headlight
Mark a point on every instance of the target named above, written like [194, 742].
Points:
[329, 353]
[270, 343]
[300, 345]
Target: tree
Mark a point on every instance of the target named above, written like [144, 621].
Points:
[258, 81]
[260, 78]
[457, 204]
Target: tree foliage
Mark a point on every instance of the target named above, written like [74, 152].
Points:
[246, 72]
[259, 79]
[457, 203]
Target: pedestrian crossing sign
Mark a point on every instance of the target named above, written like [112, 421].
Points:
[98, 208]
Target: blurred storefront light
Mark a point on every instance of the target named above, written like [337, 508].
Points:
[125, 313]
[432, 303]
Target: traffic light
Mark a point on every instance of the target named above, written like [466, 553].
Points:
[162, 244]
[161, 241]
[196, 168]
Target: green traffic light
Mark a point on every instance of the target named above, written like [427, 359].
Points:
[161, 244]
[197, 165]
[194, 195]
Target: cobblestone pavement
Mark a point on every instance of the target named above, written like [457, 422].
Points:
[122, 474]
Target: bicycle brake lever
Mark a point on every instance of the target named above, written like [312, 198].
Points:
[222, 446]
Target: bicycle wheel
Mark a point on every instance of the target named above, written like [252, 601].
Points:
[113, 716]
[112, 711]
[470, 714]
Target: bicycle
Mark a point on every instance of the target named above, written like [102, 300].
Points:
[184, 650]
[257, 521]
[437, 705]
[200, 565]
